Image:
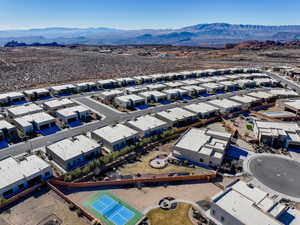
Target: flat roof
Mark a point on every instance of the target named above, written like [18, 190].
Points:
[107, 81]
[85, 84]
[294, 103]
[147, 122]
[283, 92]
[156, 86]
[57, 103]
[240, 201]
[73, 147]
[260, 94]
[11, 95]
[115, 133]
[190, 82]
[173, 84]
[195, 139]
[13, 170]
[243, 99]
[212, 85]
[131, 97]
[38, 91]
[70, 111]
[111, 92]
[62, 87]
[224, 103]
[39, 117]
[5, 125]
[25, 109]
[152, 93]
[175, 114]
[193, 87]
[201, 107]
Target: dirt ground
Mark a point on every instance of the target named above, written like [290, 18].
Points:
[143, 166]
[148, 197]
[34, 209]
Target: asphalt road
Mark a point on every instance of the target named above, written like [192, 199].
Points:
[289, 83]
[278, 173]
[111, 116]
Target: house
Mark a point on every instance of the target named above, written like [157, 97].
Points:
[35, 94]
[109, 95]
[204, 80]
[58, 104]
[135, 90]
[283, 93]
[11, 97]
[72, 114]
[148, 125]
[194, 90]
[173, 84]
[115, 137]
[86, 86]
[129, 101]
[225, 105]
[278, 134]
[125, 81]
[243, 204]
[264, 96]
[202, 146]
[35, 122]
[17, 174]
[177, 116]
[175, 93]
[73, 152]
[291, 105]
[142, 79]
[24, 110]
[212, 87]
[153, 96]
[203, 110]
[7, 130]
[245, 100]
[106, 84]
[246, 83]
[220, 79]
[229, 85]
[190, 82]
[63, 89]
[156, 87]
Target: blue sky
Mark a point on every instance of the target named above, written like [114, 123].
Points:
[136, 14]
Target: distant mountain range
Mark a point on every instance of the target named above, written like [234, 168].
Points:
[214, 35]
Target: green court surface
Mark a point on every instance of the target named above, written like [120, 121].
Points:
[111, 210]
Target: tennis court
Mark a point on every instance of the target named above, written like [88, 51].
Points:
[111, 210]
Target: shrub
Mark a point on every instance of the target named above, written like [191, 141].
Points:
[72, 207]
[79, 212]
[249, 127]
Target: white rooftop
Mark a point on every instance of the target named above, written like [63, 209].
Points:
[176, 114]
[196, 139]
[36, 117]
[5, 125]
[224, 103]
[249, 205]
[260, 94]
[58, 103]
[62, 87]
[115, 133]
[24, 109]
[38, 91]
[294, 103]
[70, 111]
[12, 170]
[128, 98]
[201, 107]
[152, 93]
[147, 122]
[243, 99]
[73, 147]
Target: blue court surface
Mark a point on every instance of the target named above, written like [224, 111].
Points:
[114, 211]
[64, 94]
[235, 152]
[220, 92]
[44, 98]
[111, 210]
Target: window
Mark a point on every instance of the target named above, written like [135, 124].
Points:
[47, 174]
[213, 212]
[222, 218]
[201, 160]
[21, 186]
